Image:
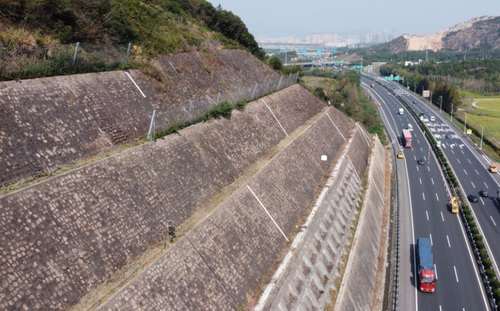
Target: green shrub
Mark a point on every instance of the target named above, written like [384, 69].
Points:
[496, 295]
[275, 63]
[477, 237]
[241, 104]
[495, 284]
[480, 244]
[490, 273]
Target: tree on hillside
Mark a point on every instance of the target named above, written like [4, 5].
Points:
[275, 63]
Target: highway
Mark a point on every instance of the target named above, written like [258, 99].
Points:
[424, 210]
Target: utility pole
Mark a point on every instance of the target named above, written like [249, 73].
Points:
[441, 104]
[451, 112]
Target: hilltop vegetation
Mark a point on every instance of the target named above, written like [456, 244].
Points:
[153, 26]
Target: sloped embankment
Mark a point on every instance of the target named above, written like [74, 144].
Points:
[50, 121]
[222, 262]
[63, 237]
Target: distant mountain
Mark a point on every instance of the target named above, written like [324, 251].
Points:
[481, 32]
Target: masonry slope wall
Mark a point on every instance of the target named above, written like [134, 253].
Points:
[305, 281]
[184, 76]
[358, 285]
[50, 121]
[61, 238]
[239, 242]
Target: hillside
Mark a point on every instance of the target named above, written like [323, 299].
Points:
[153, 27]
[478, 33]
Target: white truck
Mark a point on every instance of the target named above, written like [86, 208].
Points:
[401, 111]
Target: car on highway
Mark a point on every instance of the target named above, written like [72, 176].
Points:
[472, 198]
[446, 136]
[421, 161]
[401, 155]
[483, 193]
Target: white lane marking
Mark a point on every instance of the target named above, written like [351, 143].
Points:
[427, 214]
[465, 172]
[493, 221]
[473, 185]
[469, 160]
[477, 172]
[486, 185]
[456, 275]
[423, 195]
[432, 180]
[481, 200]
[429, 168]
[421, 149]
[430, 238]
[459, 161]
[437, 198]
[452, 151]
[420, 180]
[448, 239]
[417, 168]
[442, 217]
[435, 271]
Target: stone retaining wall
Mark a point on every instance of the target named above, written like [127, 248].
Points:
[359, 289]
[304, 281]
[61, 238]
[51, 121]
[220, 264]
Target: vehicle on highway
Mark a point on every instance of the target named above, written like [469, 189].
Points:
[401, 155]
[401, 111]
[472, 198]
[421, 161]
[433, 119]
[446, 136]
[493, 169]
[373, 85]
[483, 193]
[425, 266]
[454, 205]
[407, 141]
[410, 127]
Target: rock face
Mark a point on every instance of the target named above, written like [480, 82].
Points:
[475, 33]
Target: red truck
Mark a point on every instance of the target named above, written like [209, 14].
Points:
[407, 142]
[425, 264]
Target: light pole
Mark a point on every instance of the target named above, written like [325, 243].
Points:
[482, 130]
[441, 103]
[451, 112]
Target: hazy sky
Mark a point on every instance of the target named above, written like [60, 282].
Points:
[277, 18]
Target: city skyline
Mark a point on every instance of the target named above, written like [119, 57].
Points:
[293, 18]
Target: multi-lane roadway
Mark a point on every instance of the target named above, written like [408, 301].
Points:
[424, 209]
